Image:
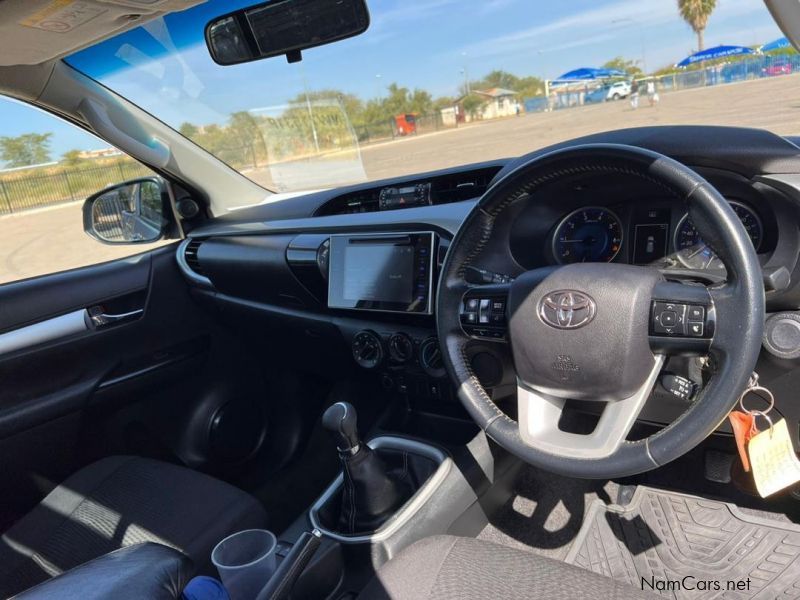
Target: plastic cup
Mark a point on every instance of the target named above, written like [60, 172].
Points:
[245, 562]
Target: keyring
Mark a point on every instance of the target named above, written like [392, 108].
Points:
[761, 413]
[764, 394]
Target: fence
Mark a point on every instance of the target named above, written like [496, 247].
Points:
[757, 67]
[387, 130]
[26, 189]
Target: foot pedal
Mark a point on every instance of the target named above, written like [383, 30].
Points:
[718, 466]
[625, 494]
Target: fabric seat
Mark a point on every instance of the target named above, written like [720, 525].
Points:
[118, 502]
[455, 568]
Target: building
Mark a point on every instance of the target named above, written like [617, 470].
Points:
[497, 102]
[500, 102]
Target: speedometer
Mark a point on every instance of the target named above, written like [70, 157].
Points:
[693, 252]
[591, 234]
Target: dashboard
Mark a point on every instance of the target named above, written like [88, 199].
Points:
[356, 268]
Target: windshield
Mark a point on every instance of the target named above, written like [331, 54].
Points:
[442, 83]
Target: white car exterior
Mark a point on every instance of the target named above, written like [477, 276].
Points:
[620, 89]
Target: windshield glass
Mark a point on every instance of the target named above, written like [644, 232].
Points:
[439, 83]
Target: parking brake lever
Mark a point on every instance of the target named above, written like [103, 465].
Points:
[280, 585]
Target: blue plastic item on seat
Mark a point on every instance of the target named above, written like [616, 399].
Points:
[205, 588]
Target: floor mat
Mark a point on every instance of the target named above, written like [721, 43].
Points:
[674, 541]
[546, 512]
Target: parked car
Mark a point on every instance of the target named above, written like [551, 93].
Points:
[597, 95]
[619, 89]
[780, 66]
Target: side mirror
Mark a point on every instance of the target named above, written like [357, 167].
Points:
[283, 27]
[128, 213]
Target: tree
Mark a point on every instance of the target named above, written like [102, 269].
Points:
[696, 14]
[420, 102]
[472, 104]
[620, 64]
[497, 79]
[528, 87]
[525, 87]
[71, 158]
[188, 130]
[443, 102]
[26, 149]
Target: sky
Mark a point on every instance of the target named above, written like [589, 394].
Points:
[165, 67]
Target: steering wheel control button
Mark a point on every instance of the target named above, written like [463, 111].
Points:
[673, 319]
[678, 386]
[483, 311]
[669, 318]
[484, 316]
[696, 313]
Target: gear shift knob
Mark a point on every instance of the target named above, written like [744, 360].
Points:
[341, 419]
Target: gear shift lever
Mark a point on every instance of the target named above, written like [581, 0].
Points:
[341, 420]
[370, 494]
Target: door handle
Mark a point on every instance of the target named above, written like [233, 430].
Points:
[99, 318]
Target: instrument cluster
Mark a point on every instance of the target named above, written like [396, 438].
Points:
[657, 234]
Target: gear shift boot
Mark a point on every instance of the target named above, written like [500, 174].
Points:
[375, 483]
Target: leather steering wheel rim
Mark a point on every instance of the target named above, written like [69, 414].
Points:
[739, 306]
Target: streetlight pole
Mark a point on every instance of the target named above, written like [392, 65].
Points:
[378, 86]
[465, 71]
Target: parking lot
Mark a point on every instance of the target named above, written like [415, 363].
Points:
[48, 240]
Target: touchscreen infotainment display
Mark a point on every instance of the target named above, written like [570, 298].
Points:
[381, 272]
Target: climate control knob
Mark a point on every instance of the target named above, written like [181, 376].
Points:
[368, 349]
[430, 357]
[401, 348]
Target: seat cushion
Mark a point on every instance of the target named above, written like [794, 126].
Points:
[148, 570]
[447, 567]
[117, 502]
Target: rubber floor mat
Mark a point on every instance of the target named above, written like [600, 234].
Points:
[685, 547]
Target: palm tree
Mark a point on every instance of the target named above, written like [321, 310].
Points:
[696, 13]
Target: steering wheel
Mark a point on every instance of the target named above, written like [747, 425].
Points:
[602, 332]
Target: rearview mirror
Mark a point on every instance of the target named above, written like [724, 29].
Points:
[283, 27]
[127, 213]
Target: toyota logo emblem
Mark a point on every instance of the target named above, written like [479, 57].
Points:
[567, 309]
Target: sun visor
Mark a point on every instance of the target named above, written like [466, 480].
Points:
[36, 31]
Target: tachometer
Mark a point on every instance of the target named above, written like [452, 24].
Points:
[590, 234]
[692, 251]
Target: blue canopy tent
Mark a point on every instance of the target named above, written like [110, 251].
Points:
[588, 74]
[714, 53]
[778, 44]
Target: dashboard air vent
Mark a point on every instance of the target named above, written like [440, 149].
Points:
[190, 254]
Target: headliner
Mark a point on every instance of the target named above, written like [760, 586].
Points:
[33, 32]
